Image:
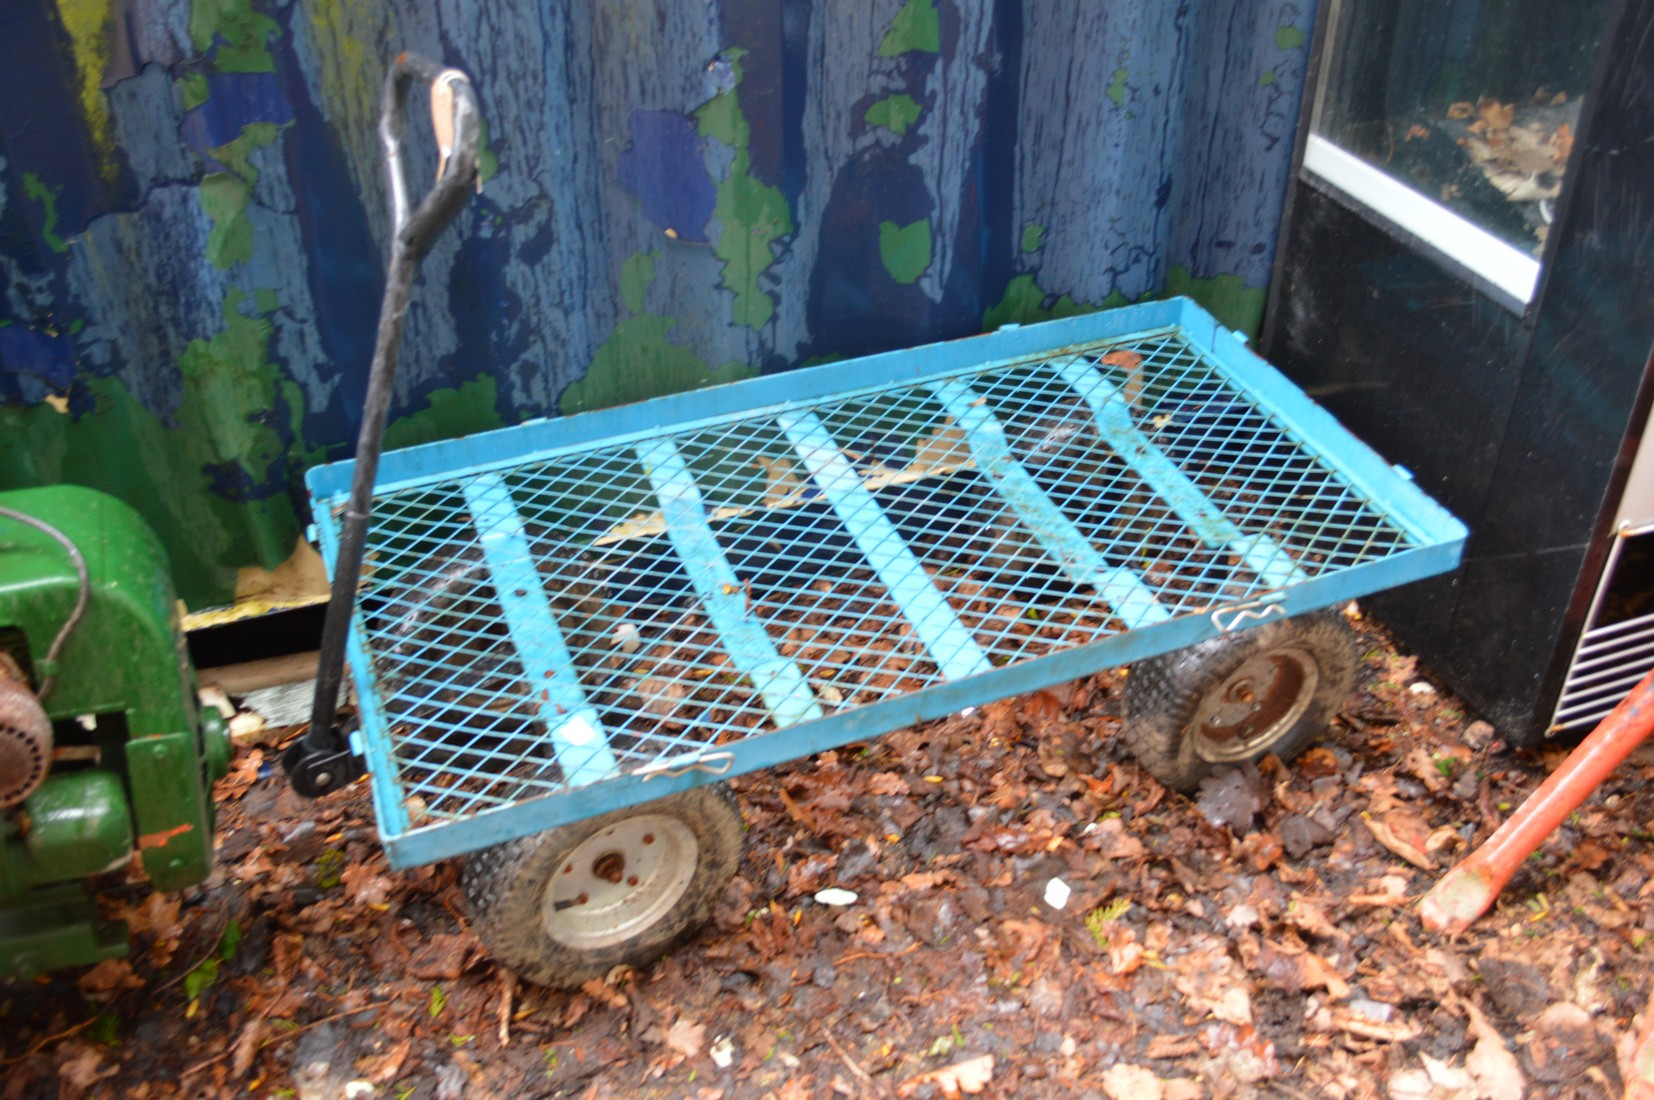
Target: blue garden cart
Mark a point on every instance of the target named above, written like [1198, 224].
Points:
[564, 633]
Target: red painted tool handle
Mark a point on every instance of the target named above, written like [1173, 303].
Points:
[1467, 891]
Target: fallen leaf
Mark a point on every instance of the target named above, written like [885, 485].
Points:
[1300, 834]
[1240, 1052]
[1388, 890]
[246, 727]
[1132, 364]
[1563, 1038]
[1443, 838]
[1055, 755]
[286, 949]
[1493, 1066]
[686, 1037]
[81, 1066]
[1166, 1045]
[1422, 766]
[109, 977]
[972, 1076]
[1233, 797]
[1040, 707]
[1295, 968]
[1309, 916]
[1317, 763]
[1365, 1027]
[945, 449]
[1113, 841]
[783, 487]
[364, 885]
[1403, 834]
[810, 873]
[921, 881]
[887, 785]
[1215, 983]
[243, 774]
[1496, 115]
[246, 1048]
[158, 916]
[1446, 1076]
[387, 1067]
[1127, 1082]
[1561, 144]
[442, 958]
[1125, 954]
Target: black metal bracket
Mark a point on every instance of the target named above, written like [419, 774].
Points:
[314, 772]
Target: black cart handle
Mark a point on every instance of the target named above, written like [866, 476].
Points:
[456, 122]
[321, 760]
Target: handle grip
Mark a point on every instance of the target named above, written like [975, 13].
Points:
[456, 122]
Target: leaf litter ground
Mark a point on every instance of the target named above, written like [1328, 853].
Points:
[1256, 940]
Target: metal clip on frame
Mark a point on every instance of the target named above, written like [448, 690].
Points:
[712, 763]
[321, 761]
[1232, 618]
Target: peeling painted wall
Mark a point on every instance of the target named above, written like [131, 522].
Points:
[192, 221]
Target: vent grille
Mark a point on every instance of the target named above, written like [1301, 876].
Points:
[1617, 648]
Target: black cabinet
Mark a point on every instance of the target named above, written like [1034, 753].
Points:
[1492, 334]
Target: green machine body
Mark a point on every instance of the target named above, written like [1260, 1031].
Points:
[106, 753]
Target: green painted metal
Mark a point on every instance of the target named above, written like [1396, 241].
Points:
[56, 926]
[78, 824]
[141, 778]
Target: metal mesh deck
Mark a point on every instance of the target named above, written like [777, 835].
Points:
[540, 627]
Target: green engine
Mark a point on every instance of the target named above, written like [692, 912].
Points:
[105, 750]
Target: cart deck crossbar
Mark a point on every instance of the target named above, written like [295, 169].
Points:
[578, 614]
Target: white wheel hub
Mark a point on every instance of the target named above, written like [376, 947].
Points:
[619, 881]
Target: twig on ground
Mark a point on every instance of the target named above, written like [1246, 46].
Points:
[855, 1067]
[284, 1036]
[508, 987]
[47, 1040]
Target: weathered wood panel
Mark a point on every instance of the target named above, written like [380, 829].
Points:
[192, 216]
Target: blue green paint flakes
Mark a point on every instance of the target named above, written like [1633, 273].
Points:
[192, 90]
[916, 28]
[636, 273]
[226, 195]
[242, 33]
[448, 414]
[895, 113]
[1117, 87]
[46, 196]
[905, 249]
[751, 214]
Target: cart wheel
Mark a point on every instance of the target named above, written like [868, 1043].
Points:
[570, 904]
[1270, 689]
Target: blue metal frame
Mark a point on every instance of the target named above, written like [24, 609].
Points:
[575, 766]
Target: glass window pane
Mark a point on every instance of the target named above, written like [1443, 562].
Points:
[1473, 104]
